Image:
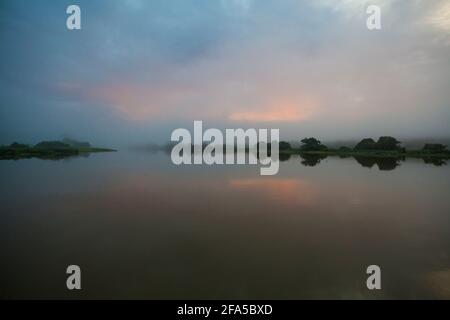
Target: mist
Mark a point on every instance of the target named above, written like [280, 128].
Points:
[139, 69]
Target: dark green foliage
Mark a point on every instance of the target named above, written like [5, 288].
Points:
[345, 149]
[387, 143]
[16, 145]
[46, 150]
[366, 144]
[383, 143]
[312, 144]
[284, 145]
[76, 144]
[435, 148]
[52, 145]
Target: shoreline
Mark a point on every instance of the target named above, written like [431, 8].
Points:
[8, 153]
[369, 153]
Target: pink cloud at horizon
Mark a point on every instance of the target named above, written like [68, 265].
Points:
[141, 102]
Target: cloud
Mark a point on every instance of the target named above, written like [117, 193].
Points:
[351, 8]
[440, 17]
[305, 65]
[241, 5]
[278, 112]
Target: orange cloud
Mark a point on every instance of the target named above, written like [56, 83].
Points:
[162, 100]
[284, 112]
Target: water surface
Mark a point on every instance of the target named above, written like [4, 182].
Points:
[140, 227]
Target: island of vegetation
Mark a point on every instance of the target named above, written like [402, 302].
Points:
[385, 147]
[387, 153]
[48, 150]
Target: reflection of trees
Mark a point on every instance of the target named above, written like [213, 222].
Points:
[435, 161]
[384, 164]
[311, 160]
[62, 156]
[284, 156]
[367, 162]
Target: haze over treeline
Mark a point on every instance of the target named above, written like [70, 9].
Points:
[138, 69]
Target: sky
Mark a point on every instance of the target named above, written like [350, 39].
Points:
[140, 68]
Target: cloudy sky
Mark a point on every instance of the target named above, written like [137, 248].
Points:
[140, 68]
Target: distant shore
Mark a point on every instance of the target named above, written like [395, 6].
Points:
[48, 150]
[371, 153]
[385, 147]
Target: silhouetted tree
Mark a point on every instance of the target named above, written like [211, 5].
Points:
[52, 145]
[383, 143]
[366, 144]
[387, 143]
[76, 144]
[312, 144]
[435, 148]
[16, 145]
[283, 145]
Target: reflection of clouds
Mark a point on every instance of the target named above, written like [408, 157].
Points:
[439, 283]
[280, 189]
[356, 201]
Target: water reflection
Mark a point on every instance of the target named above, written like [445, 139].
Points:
[284, 156]
[435, 161]
[283, 190]
[141, 227]
[311, 160]
[383, 163]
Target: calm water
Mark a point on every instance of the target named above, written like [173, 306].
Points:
[140, 227]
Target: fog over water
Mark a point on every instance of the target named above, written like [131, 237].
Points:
[141, 227]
